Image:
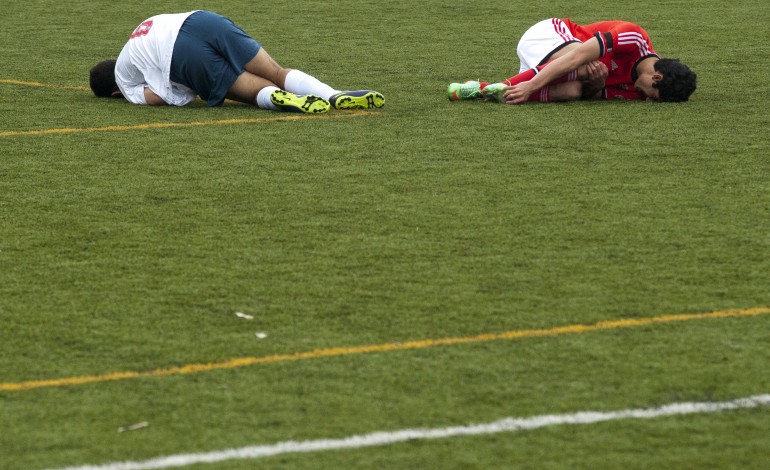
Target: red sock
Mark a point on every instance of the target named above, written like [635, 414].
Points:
[522, 77]
[542, 95]
[569, 77]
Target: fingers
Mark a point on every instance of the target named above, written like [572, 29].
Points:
[592, 70]
[597, 70]
[516, 94]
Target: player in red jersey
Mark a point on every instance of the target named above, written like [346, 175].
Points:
[561, 61]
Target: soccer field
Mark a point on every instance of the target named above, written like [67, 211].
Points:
[433, 284]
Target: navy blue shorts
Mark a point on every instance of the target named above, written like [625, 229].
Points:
[209, 55]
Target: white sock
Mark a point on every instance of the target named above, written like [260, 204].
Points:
[263, 98]
[300, 83]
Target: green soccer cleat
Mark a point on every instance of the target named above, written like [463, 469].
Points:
[358, 99]
[469, 90]
[494, 92]
[292, 103]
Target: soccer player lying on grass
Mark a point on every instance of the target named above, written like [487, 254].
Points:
[171, 58]
[564, 61]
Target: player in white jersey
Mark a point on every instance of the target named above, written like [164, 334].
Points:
[170, 59]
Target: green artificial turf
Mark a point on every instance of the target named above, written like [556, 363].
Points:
[131, 250]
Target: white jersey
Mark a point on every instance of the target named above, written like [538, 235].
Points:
[145, 61]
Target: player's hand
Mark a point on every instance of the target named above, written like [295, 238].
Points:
[518, 93]
[597, 71]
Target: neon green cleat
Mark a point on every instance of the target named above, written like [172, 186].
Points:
[469, 90]
[494, 92]
[292, 103]
[357, 99]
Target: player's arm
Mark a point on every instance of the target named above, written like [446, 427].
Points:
[152, 99]
[585, 53]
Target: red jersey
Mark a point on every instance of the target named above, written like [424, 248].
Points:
[622, 92]
[622, 45]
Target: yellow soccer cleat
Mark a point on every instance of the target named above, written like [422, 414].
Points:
[358, 99]
[292, 103]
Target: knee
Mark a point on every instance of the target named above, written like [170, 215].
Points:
[262, 65]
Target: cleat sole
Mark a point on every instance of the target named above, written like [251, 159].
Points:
[370, 100]
[308, 104]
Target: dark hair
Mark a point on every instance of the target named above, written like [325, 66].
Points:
[678, 80]
[102, 79]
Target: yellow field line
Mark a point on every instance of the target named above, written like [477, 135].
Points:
[45, 85]
[385, 347]
[159, 125]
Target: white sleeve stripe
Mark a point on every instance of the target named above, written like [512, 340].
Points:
[634, 38]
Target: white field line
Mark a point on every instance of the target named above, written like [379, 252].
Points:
[391, 437]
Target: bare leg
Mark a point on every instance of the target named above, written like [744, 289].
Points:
[262, 65]
[261, 71]
[567, 91]
[246, 88]
[299, 92]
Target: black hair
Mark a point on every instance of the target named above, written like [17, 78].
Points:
[102, 79]
[678, 81]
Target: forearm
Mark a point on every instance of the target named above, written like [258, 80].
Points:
[152, 99]
[556, 69]
[582, 55]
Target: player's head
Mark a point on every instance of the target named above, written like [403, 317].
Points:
[677, 83]
[102, 79]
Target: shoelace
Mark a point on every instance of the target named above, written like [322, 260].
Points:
[471, 89]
